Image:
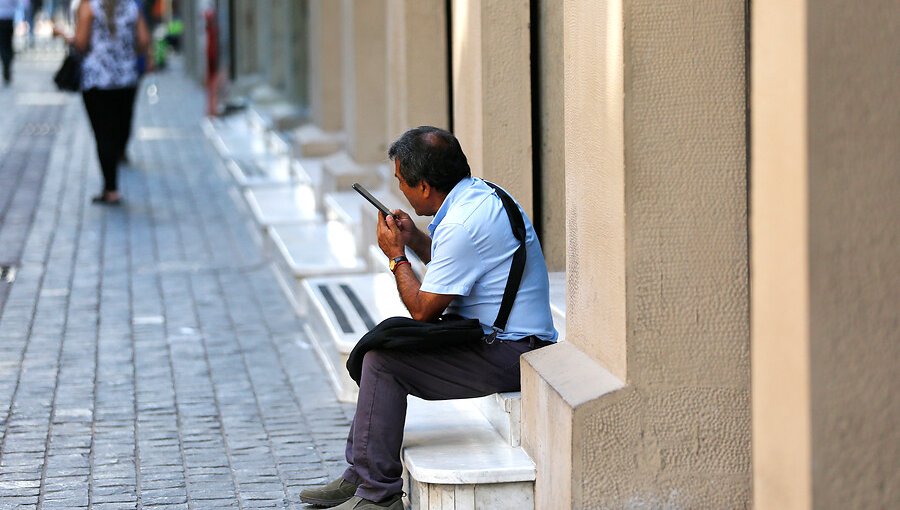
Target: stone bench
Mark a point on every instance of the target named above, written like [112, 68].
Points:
[308, 141]
[454, 458]
[280, 205]
[338, 311]
[233, 138]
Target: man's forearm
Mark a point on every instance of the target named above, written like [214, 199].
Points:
[408, 286]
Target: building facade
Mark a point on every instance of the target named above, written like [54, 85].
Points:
[717, 178]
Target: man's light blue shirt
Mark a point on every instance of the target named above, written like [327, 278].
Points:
[472, 245]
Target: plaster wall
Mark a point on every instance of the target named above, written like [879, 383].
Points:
[365, 92]
[417, 65]
[553, 166]
[491, 91]
[325, 77]
[854, 253]
[656, 191]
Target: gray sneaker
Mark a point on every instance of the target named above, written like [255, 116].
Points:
[332, 493]
[358, 503]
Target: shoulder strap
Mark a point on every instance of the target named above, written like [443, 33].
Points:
[518, 261]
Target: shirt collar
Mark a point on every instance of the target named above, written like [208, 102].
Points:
[451, 197]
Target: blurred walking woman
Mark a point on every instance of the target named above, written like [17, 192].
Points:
[110, 34]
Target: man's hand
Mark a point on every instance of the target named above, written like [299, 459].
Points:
[392, 238]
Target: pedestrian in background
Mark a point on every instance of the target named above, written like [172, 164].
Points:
[33, 14]
[7, 27]
[110, 34]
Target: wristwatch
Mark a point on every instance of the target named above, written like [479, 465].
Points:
[396, 261]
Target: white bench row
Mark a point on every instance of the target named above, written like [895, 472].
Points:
[458, 454]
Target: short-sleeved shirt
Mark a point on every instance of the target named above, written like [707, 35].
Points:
[472, 246]
[111, 60]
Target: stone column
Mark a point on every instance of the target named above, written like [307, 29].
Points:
[549, 94]
[279, 44]
[416, 65]
[264, 39]
[492, 91]
[647, 403]
[826, 255]
[365, 84]
[326, 81]
[298, 49]
[245, 36]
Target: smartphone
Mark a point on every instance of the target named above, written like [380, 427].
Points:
[372, 200]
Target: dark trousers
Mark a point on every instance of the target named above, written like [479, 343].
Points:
[6, 47]
[110, 112]
[388, 376]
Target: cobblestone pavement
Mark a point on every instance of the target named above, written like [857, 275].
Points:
[148, 358]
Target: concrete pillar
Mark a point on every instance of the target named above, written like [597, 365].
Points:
[492, 92]
[325, 65]
[553, 165]
[365, 91]
[298, 48]
[416, 65]
[825, 255]
[245, 37]
[278, 41]
[647, 403]
[264, 39]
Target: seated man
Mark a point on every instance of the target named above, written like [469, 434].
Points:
[469, 254]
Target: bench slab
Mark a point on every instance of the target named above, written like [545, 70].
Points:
[276, 205]
[451, 442]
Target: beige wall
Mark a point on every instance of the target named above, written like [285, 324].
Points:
[416, 65]
[657, 265]
[825, 255]
[491, 95]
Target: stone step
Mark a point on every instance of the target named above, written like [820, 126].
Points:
[233, 138]
[280, 205]
[344, 171]
[278, 115]
[269, 169]
[558, 302]
[308, 141]
[339, 310]
[504, 412]
[454, 459]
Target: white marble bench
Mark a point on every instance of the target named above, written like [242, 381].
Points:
[308, 141]
[455, 459]
[279, 205]
[339, 310]
[232, 137]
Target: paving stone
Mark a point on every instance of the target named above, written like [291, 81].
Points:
[146, 351]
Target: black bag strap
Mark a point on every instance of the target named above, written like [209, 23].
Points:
[518, 261]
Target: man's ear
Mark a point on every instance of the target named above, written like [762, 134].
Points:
[425, 188]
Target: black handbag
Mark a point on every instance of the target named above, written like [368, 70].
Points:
[449, 330]
[68, 77]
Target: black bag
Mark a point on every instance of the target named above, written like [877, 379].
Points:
[409, 334]
[68, 77]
